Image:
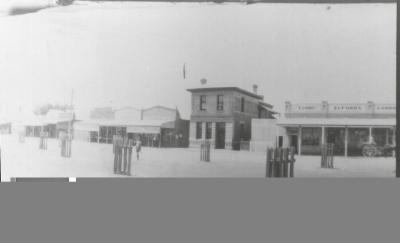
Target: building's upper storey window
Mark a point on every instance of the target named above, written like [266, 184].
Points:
[202, 102]
[220, 102]
[242, 104]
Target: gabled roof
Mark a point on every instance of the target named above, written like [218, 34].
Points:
[159, 106]
[260, 97]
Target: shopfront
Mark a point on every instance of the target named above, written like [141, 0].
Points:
[309, 126]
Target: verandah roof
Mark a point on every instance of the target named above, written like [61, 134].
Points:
[341, 122]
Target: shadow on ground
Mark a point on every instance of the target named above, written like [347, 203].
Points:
[25, 10]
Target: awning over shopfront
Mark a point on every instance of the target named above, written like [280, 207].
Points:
[337, 122]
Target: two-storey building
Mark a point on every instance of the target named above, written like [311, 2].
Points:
[222, 115]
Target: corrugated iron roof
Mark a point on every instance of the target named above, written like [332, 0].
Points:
[227, 89]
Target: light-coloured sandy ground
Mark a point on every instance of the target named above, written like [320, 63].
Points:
[96, 160]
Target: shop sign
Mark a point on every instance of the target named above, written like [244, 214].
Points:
[307, 108]
[391, 108]
[348, 108]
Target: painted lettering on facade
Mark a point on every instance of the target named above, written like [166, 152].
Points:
[385, 108]
[307, 108]
[347, 108]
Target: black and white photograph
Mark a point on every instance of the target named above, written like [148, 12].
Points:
[197, 89]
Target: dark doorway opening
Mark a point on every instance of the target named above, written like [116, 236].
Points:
[220, 135]
[280, 141]
[293, 143]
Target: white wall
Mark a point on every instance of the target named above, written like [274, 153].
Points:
[128, 114]
[82, 135]
[264, 133]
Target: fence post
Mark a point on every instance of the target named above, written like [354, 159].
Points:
[268, 169]
[327, 155]
[201, 151]
[322, 155]
[272, 162]
[43, 140]
[118, 152]
[285, 162]
[267, 162]
[205, 148]
[292, 160]
[279, 162]
[276, 163]
[208, 151]
[331, 156]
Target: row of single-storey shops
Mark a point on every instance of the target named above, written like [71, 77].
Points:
[348, 126]
[54, 122]
[155, 127]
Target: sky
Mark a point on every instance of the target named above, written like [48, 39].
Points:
[132, 54]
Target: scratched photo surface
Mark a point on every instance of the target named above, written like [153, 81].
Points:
[186, 89]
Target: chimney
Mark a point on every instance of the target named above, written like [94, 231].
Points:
[203, 81]
[255, 87]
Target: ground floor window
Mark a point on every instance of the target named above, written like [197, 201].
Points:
[390, 136]
[208, 130]
[94, 136]
[356, 138]
[381, 136]
[146, 139]
[242, 132]
[107, 133]
[311, 136]
[198, 130]
[311, 140]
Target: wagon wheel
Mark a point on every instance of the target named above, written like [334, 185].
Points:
[369, 150]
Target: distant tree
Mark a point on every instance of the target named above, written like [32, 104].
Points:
[44, 109]
[64, 2]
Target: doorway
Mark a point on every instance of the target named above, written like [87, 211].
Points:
[220, 135]
[280, 141]
[293, 143]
